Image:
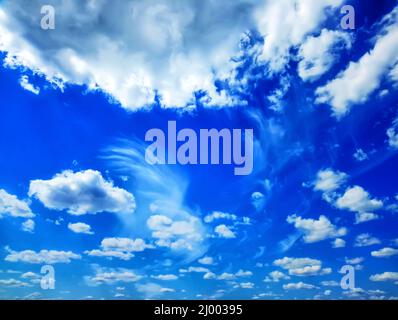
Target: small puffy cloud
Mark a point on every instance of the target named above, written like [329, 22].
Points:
[245, 285]
[338, 243]
[152, 290]
[10, 205]
[276, 276]
[206, 260]
[120, 248]
[195, 270]
[316, 230]
[392, 134]
[41, 257]
[209, 275]
[302, 266]
[80, 227]
[330, 283]
[361, 78]
[384, 252]
[177, 235]
[24, 82]
[82, 193]
[357, 260]
[111, 276]
[258, 199]
[328, 180]
[360, 155]
[318, 53]
[215, 215]
[365, 240]
[358, 200]
[298, 286]
[165, 277]
[224, 232]
[28, 226]
[385, 276]
[361, 217]
[13, 283]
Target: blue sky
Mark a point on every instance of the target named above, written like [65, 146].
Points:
[76, 192]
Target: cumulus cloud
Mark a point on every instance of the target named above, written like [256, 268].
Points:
[338, 243]
[121, 248]
[285, 24]
[81, 193]
[361, 78]
[224, 232]
[13, 283]
[298, 286]
[152, 290]
[165, 277]
[41, 257]
[365, 240]
[358, 200]
[206, 260]
[132, 50]
[80, 227]
[10, 205]
[385, 276]
[318, 53]
[328, 180]
[176, 235]
[302, 266]
[215, 215]
[276, 276]
[24, 82]
[360, 155]
[384, 252]
[316, 230]
[111, 276]
[28, 226]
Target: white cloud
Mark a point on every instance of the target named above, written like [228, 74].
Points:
[276, 276]
[316, 230]
[120, 248]
[245, 285]
[365, 240]
[41, 257]
[318, 53]
[24, 82]
[194, 269]
[81, 193]
[302, 266]
[328, 180]
[225, 232]
[177, 235]
[361, 78]
[384, 253]
[215, 215]
[112, 275]
[356, 199]
[165, 277]
[209, 275]
[28, 226]
[392, 134]
[286, 23]
[298, 286]
[152, 290]
[330, 283]
[385, 276]
[10, 205]
[357, 260]
[173, 48]
[80, 227]
[13, 283]
[338, 243]
[206, 260]
[360, 155]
